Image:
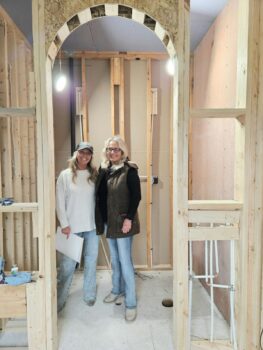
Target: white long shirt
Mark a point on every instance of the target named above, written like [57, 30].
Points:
[75, 202]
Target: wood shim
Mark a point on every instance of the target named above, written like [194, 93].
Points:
[138, 16]
[159, 31]
[171, 49]
[84, 16]
[63, 32]
[111, 10]
[53, 51]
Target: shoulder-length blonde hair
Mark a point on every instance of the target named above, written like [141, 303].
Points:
[73, 166]
[122, 145]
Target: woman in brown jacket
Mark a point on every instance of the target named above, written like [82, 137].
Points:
[118, 194]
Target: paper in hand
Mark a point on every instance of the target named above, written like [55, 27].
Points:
[71, 246]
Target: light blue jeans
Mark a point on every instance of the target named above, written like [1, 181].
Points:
[67, 267]
[123, 279]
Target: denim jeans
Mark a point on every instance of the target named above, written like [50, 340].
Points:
[67, 267]
[123, 279]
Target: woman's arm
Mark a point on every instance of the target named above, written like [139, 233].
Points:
[61, 204]
[134, 186]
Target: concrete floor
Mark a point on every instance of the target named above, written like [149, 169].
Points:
[103, 326]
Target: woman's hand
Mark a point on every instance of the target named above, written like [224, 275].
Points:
[66, 231]
[127, 223]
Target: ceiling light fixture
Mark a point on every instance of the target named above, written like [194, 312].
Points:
[61, 81]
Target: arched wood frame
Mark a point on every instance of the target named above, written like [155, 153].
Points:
[109, 10]
[43, 60]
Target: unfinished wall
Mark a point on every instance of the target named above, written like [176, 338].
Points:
[17, 145]
[213, 140]
[99, 112]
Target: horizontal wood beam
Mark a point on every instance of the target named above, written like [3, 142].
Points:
[19, 207]
[131, 55]
[214, 205]
[218, 233]
[207, 345]
[211, 216]
[238, 113]
[12, 301]
[17, 112]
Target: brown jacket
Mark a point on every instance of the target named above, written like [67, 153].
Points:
[118, 200]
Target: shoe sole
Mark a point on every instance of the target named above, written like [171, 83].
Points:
[119, 300]
[130, 320]
[113, 300]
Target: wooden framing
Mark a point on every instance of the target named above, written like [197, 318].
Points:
[241, 91]
[47, 335]
[149, 166]
[18, 173]
[121, 100]
[238, 113]
[207, 345]
[126, 55]
[13, 301]
[251, 269]
[42, 332]
[18, 112]
[85, 116]
[117, 96]
[180, 176]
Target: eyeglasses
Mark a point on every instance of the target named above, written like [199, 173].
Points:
[114, 150]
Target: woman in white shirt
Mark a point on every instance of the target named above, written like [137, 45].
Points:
[75, 204]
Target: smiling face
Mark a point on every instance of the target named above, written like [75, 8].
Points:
[114, 153]
[83, 158]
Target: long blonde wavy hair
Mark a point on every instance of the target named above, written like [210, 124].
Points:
[73, 166]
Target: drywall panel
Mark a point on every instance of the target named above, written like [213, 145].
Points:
[99, 110]
[136, 109]
[215, 62]
[61, 110]
[213, 158]
[161, 221]
[98, 91]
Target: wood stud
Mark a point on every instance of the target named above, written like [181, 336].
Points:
[85, 118]
[149, 166]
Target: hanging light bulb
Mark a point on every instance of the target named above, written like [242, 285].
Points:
[170, 66]
[61, 81]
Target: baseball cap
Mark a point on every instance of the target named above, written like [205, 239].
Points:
[84, 145]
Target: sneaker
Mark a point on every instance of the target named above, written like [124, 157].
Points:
[110, 298]
[90, 302]
[119, 300]
[130, 314]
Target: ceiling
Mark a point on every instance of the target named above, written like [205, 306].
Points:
[117, 33]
